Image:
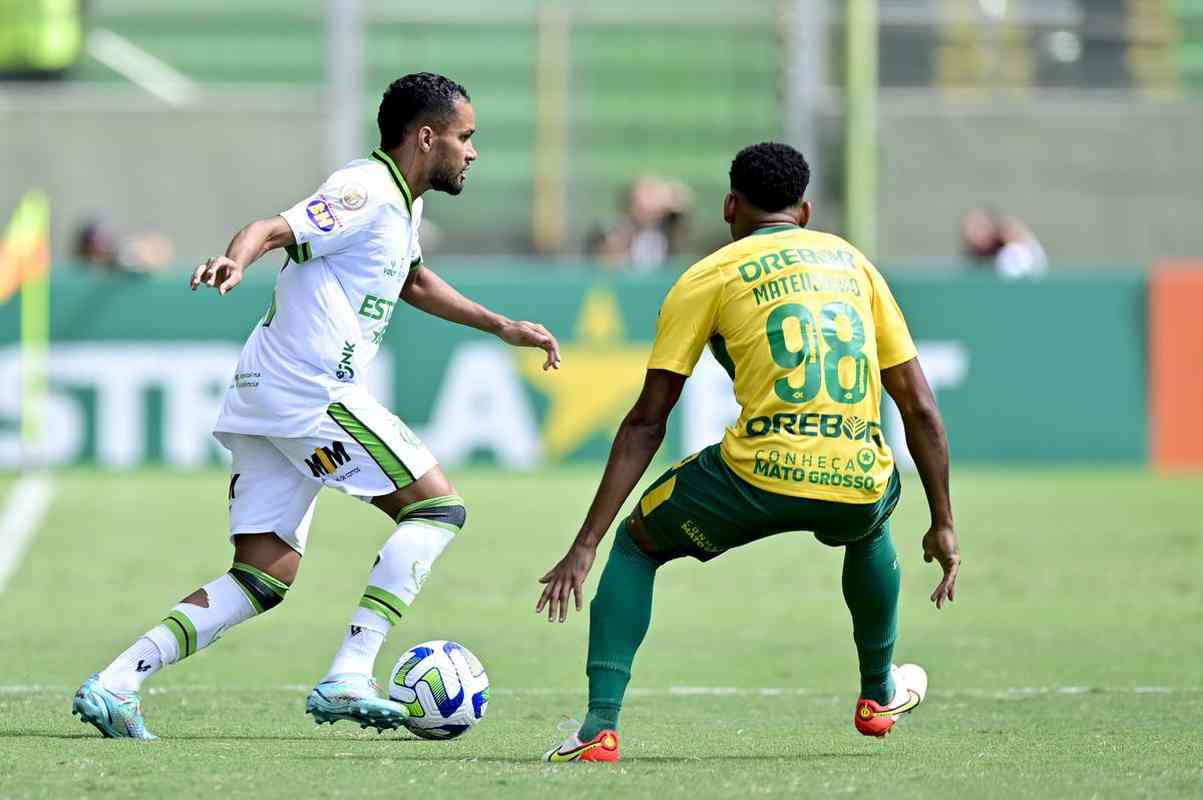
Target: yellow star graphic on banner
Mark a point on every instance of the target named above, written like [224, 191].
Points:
[599, 380]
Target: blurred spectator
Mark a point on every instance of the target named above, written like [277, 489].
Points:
[651, 230]
[1003, 245]
[39, 38]
[97, 247]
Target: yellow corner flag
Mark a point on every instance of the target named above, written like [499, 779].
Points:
[25, 265]
[25, 249]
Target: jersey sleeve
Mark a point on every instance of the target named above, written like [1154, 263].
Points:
[894, 344]
[328, 221]
[687, 320]
[415, 260]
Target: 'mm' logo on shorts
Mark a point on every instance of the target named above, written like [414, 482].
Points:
[328, 459]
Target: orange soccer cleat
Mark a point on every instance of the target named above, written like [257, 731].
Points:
[603, 747]
[910, 687]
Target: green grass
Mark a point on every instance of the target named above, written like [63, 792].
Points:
[1079, 579]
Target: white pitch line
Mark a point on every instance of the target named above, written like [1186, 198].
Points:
[1007, 692]
[140, 67]
[28, 501]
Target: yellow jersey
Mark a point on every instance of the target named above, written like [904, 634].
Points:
[804, 324]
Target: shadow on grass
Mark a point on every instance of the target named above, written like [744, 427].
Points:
[47, 735]
[429, 753]
[535, 760]
[192, 737]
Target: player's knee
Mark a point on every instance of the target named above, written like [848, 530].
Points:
[269, 554]
[263, 590]
[447, 511]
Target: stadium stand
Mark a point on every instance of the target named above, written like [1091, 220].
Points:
[706, 100]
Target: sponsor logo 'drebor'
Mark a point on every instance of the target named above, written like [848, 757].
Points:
[320, 214]
[828, 426]
[327, 460]
[345, 370]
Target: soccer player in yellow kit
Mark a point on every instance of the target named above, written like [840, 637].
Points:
[810, 333]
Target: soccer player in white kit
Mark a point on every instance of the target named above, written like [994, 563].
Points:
[296, 419]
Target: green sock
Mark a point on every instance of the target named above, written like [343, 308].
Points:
[871, 582]
[618, 619]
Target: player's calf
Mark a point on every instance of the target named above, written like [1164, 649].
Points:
[193, 624]
[203, 617]
[424, 529]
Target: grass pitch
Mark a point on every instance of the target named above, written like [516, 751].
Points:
[1068, 667]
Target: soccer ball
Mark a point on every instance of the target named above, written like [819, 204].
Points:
[443, 686]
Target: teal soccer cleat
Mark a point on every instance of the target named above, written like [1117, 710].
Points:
[117, 716]
[356, 698]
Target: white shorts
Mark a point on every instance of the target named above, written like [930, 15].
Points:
[361, 449]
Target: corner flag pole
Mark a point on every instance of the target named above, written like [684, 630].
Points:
[860, 125]
[35, 347]
[25, 265]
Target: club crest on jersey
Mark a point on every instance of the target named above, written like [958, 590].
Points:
[353, 196]
[320, 214]
[865, 459]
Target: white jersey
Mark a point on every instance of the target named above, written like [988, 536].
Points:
[356, 242]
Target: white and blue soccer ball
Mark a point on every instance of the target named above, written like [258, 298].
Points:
[443, 686]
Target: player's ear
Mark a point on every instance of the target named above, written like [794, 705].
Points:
[729, 208]
[425, 138]
[804, 213]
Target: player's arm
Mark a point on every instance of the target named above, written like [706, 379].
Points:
[427, 292]
[638, 438]
[687, 319]
[261, 236]
[928, 443]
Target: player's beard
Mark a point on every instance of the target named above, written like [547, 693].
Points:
[446, 179]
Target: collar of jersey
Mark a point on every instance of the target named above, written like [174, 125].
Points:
[774, 229]
[398, 179]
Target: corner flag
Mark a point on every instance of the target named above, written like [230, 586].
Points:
[25, 249]
[25, 266]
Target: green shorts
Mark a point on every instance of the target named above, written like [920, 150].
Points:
[701, 508]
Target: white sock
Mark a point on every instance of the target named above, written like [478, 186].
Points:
[187, 629]
[141, 660]
[397, 577]
[195, 627]
[362, 644]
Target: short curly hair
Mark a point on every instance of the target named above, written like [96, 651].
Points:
[771, 175]
[414, 97]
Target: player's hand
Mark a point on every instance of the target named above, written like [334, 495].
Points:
[532, 334]
[564, 579]
[940, 545]
[222, 273]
